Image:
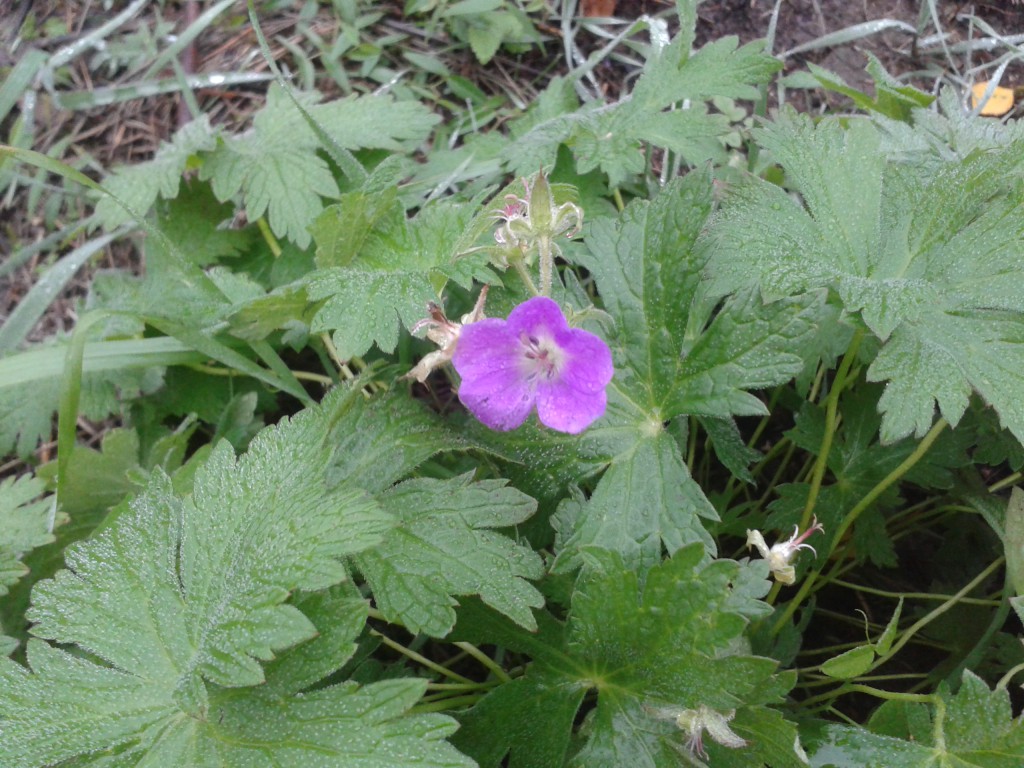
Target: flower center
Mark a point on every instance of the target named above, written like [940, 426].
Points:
[542, 359]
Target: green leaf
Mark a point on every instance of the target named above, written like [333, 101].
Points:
[377, 121]
[649, 274]
[850, 664]
[194, 221]
[935, 136]
[284, 307]
[748, 345]
[672, 76]
[99, 480]
[181, 596]
[276, 169]
[26, 522]
[178, 587]
[957, 739]
[885, 640]
[899, 245]
[344, 228]
[529, 718]
[95, 482]
[674, 356]
[140, 185]
[645, 501]
[847, 747]
[728, 445]
[379, 442]
[547, 123]
[892, 98]
[649, 652]
[607, 136]
[941, 359]
[442, 546]
[1013, 540]
[401, 265]
[1000, 743]
[67, 707]
[720, 68]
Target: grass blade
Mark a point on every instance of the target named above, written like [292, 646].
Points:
[44, 363]
[70, 395]
[19, 257]
[183, 40]
[52, 282]
[19, 79]
[112, 94]
[346, 161]
[854, 32]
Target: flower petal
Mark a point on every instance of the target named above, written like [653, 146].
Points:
[483, 346]
[493, 388]
[588, 363]
[538, 314]
[566, 409]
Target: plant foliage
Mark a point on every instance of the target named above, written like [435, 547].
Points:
[787, 541]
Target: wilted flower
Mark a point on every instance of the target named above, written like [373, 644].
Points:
[445, 334]
[694, 722]
[514, 230]
[533, 359]
[780, 557]
[531, 223]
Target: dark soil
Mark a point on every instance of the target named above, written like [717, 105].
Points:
[802, 21]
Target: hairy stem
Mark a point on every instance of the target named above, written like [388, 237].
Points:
[547, 264]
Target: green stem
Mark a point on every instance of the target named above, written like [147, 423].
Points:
[268, 236]
[420, 659]
[319, 378]
[1006, 482]
[213, 370]
[878, 693]
[905, 466]
[486, 660]
[824, 681]
[974, 656]
[445, 705]
[520, 267]
[338, 361]
[911, 595]
[854, 513]
[845, 688]
[831, 416]
[547, 264]
[1005, 679]
[459, 686]
[914, 628]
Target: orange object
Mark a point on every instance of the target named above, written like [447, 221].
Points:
[597, 8]
[998, 104]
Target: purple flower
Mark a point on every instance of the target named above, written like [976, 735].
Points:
[533, 359]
